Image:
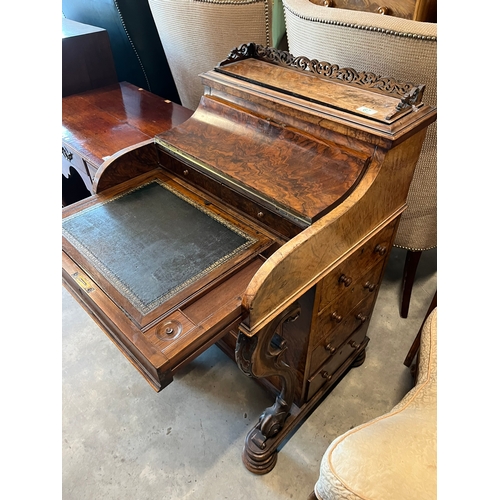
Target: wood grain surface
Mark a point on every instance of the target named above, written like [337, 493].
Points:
[307, 86]
[303, 175]
[101, 122]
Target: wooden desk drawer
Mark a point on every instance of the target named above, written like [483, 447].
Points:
[329, 345]
[71, 159]
[250, 208]
[76, 177]
[86, 170]
[261, 214]
[327, 371]
[338, 314]
[370, 254]
[188, 173]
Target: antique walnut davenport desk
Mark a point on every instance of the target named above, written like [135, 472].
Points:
[264, 226]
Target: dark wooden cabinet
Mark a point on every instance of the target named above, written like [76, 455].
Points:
[87, 60]
[262, 223]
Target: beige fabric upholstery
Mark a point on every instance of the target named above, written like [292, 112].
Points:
[392, 457]
[198, 34]
[387, 46]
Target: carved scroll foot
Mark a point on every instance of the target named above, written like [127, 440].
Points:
[256, 460]
[262, 356]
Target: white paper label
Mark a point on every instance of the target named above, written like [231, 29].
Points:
[367, 111]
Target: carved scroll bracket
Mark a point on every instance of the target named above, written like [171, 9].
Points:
[262, 356]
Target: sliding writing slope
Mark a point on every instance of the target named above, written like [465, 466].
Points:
[153, 261]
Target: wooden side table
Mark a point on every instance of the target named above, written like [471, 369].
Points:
[100, 125]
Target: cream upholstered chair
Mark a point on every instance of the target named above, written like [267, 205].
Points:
[394, 456]
[386, 46]
[198, 34]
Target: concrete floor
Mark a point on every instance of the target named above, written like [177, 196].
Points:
[122, 441]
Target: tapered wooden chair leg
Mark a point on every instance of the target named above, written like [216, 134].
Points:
[410, 269]
[416, 343]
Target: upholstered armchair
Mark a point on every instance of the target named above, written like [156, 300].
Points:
[197, 34]
[394, 456]
[386, 46]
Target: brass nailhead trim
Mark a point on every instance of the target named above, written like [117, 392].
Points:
[361, 27]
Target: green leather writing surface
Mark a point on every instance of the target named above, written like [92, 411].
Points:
[152, 242]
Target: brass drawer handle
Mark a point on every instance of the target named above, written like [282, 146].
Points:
[325, 374]
[186, 172]
[346, 280]
[67, 154]
[370, 286]
[336, 317]
[361, 317]
[330, 348]
[384, 11]
[380, 249]
[260, 214]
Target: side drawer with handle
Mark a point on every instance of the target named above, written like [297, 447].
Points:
[327, 371]
[336, 315]
[330, 345]
[370, 254]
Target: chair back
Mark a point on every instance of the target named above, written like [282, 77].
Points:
[197, 34]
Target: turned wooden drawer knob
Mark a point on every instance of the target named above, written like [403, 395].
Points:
[380, 249]
[361, 317]
[336, 317]
[345, 279]
[354, 344]
[325, 374]
[370, 286]
[330, 348]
